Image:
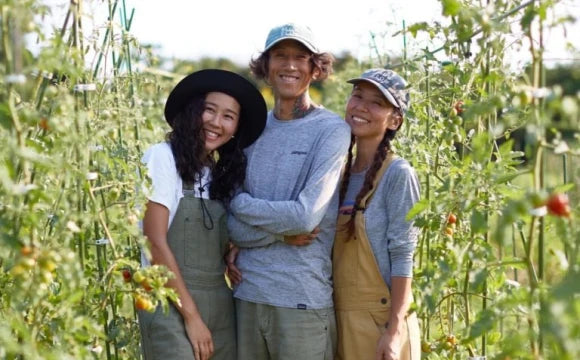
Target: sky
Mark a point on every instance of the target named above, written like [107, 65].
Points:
[237, 29]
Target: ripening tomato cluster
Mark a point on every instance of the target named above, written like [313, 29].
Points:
[143, 300]
[448, 343]
[41, 262]
[450, 225]
[137, 277]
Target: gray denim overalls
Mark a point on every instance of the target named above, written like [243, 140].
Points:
[198, 238]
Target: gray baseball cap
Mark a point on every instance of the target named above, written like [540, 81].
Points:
[393, 86]
[291, 31]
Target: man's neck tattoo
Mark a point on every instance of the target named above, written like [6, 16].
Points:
[300, 110]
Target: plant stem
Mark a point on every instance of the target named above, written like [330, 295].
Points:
[466, 294]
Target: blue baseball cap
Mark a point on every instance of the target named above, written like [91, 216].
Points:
[291, 31]
[393, 86]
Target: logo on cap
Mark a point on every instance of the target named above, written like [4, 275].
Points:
[302, 34]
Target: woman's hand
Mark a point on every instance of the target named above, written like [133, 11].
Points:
[233, 272]
[389, 347]
[200, 338]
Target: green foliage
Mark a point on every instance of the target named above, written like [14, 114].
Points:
[483, 278]
[71, 193]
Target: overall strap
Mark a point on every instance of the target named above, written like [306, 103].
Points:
[189, 189]
[385, 165]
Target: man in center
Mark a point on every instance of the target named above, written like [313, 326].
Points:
[284, 296]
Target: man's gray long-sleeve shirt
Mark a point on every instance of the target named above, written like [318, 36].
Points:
[290, 188]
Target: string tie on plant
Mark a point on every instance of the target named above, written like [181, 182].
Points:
[103, 241]
[15, 79]
[85, 87]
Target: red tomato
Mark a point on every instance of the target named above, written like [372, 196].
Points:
[451, 219]
[26, 250]
[459, 107]
[127, 275]
[43, 123]
[559, 205]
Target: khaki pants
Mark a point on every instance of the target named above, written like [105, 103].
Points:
[270, 333]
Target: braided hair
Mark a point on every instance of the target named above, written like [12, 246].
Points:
[346, 175]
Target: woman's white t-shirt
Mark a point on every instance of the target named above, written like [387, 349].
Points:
[167, 186]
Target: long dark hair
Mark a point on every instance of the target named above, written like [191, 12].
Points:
[187, 141]
[380, 156]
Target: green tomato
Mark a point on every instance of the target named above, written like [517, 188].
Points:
[138, 277]
[524, 98]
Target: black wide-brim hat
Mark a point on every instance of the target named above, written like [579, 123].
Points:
[253, 107]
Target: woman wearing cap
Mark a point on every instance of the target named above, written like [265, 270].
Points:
[374, 244]
[214, 115]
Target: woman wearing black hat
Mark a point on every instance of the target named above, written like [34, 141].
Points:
[214, 115]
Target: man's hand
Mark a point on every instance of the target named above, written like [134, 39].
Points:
[233, 272]
[302, 239]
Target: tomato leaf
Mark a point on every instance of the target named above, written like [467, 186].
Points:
[483, 324]
[413, 29]
[564, 188]
[451, 7]
[418, 208]
[478, 222]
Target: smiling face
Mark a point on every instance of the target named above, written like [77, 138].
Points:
[369, 114]
[220, 117]
[290, 69]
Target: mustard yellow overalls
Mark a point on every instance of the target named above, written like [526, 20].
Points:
[362, 299]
